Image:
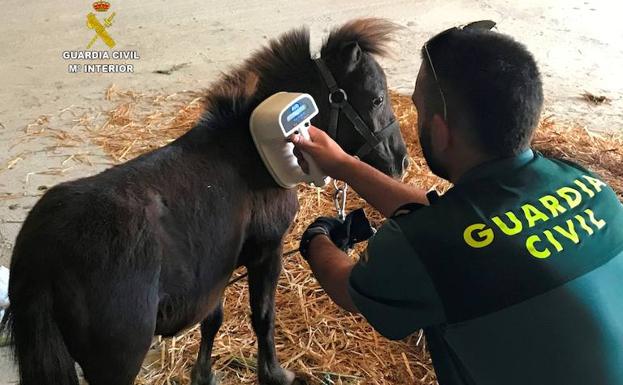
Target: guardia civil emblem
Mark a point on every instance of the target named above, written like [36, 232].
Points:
[98, 26]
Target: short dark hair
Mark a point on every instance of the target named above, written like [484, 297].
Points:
[492, 87]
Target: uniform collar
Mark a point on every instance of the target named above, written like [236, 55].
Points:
[497, 167]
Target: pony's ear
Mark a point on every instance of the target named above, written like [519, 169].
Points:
[350, 55]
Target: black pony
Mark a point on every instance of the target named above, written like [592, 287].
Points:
[146, 248]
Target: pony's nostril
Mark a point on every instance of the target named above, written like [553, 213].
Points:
[405, 163]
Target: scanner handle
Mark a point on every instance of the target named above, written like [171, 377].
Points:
[315, 175]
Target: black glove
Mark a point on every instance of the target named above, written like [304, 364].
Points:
[355, 228]
[322, 225]
[344, 234]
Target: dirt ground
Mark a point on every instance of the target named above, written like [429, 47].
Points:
[576, 43]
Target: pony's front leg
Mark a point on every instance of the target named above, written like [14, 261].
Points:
[202, 373]
[263, 276]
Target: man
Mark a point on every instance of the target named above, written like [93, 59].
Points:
[516, 273]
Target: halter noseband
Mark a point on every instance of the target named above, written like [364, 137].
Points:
[338, 99]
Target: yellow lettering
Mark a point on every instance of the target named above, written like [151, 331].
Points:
[569, 232]
[516, 229]
[584, 188]
[597, 222]
[566, 192]
[552, 240]
[485, 235]
[533, 214]
[595, 182]
[584, 225]
[551, 203]
[536, 253]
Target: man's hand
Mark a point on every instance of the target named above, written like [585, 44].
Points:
[328, 155]
[321, 226]
[344, 234]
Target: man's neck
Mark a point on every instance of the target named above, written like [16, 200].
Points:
[466, 163]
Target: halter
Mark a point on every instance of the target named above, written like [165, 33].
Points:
[338, 99]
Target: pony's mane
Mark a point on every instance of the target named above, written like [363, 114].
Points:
[237, 92]
[373, 35]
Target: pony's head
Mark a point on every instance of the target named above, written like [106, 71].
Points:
[349, 52]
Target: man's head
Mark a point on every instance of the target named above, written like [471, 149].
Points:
[481, 99]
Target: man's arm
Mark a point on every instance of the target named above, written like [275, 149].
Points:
[332, 268]
[391, 288]
[379, 190]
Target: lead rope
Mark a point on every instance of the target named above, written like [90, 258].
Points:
[339, 200]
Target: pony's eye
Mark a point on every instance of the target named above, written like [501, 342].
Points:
[378, 101]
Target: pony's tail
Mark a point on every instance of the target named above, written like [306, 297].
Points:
[37, 343]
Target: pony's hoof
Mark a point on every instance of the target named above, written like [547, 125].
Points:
[299, 381]
[281, 377]
[211, 379]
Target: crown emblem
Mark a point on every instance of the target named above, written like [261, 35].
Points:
[101, 6]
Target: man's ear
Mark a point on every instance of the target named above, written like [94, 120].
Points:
[351, 54]
[440, 133]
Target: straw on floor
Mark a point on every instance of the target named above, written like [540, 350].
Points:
[314, 337]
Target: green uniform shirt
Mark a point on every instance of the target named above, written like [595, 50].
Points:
[515, 274]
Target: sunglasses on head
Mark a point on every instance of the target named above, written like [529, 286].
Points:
[481, 24]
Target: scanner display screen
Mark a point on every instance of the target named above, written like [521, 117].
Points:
[296, 113]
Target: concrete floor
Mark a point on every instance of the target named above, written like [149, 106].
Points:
[577, 45]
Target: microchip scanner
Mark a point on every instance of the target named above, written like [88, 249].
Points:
[271, 123]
